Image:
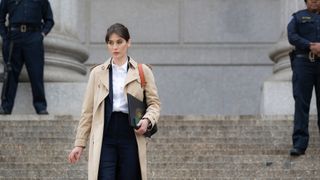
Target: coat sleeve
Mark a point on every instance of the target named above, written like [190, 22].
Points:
[293, 36]
[84, 127]
[152, 97]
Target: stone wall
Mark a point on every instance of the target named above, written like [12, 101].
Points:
[209, 56]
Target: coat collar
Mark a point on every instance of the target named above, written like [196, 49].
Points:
[131, 76]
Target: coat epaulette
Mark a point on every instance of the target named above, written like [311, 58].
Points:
[93, 66]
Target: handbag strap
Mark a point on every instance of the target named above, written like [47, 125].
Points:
[141, 74]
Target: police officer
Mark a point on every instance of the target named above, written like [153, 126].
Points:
[29, 21]
[304, 35]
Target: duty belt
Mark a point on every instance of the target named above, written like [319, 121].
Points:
[311, 56]
[24, 28]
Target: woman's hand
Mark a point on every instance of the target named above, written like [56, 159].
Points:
[75, 154]
[143, 123]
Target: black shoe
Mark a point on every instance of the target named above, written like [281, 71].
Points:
[43, 112]
[3, 112]
[296, 152]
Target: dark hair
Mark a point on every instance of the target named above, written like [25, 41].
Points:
[118, 29]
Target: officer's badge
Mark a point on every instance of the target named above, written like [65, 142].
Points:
[306, 18]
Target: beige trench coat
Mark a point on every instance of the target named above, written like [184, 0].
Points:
[92, 116]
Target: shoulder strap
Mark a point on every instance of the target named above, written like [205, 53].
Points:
[141, 74]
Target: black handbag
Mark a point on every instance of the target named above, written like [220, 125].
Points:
[154, 129]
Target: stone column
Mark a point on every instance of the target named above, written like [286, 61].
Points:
[277, 90]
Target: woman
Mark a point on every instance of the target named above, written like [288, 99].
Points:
[116, 150]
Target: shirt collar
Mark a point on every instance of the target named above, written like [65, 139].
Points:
[123, 67]
[108, 63]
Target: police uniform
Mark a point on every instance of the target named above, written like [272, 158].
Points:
[29, 22]
[303, 29]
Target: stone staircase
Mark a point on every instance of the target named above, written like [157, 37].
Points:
[185, 148]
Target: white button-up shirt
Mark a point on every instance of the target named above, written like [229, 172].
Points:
[119, 74]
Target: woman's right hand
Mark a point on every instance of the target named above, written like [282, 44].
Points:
[75, 154]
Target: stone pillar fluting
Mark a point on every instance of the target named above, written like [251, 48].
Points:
[279, 54]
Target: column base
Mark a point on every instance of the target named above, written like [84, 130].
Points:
[62, 98]
[277, 97]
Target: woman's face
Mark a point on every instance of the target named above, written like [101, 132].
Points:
[118, 46]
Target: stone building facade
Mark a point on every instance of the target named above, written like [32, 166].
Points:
[209, 57]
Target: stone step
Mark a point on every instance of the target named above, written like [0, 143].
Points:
[170, 124]
[41, 172]
[310, 158]
[202, 178]
[225, 178]
[12, 134]
[62, 158]
[167, 134]
[47, 165]
[35, 146]
[40, 140]
[20, 120]
[287, 160]
[252, 166]
[156, 139]
[34, 153]
[235, 140]
[233, 173]
[186, 149]
[228, 134]
[229, 156]
[164, 133]
[42, 178]
[70, 130]
[162, 148]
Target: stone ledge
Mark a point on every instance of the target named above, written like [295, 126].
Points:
[166, 118]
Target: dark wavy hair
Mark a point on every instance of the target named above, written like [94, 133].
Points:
[118, 29]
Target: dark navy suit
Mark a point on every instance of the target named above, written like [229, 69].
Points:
[119, 158]
[29, 20]
[303, 29]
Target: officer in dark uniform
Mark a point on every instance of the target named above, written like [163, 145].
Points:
[29, 21]
[304, 35]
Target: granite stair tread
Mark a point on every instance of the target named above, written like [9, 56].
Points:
[185, 148]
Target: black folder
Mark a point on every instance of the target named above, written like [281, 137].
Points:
[137, 109]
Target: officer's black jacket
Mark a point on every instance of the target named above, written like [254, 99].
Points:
[304, 28]
[34, 12]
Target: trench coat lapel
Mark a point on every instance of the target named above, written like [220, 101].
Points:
[103, 83]
[132, 73]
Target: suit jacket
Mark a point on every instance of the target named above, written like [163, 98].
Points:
[93, 112]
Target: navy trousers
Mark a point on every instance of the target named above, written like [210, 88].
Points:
[28, 49]
[306, 75]
[119, 153]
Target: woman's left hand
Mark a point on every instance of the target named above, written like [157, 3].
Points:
[143, 123]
